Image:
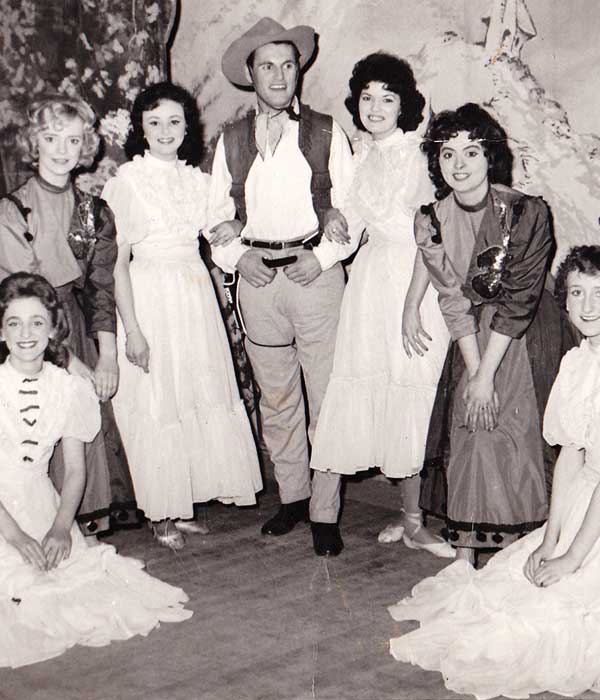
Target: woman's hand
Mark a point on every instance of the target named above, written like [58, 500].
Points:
[28, 548]
[225, 232]
[106, 377]
[482, 403]
[335, 227]
[413, 333]
[536, 559]
[56, 545]
[79, 368]
[137, 349]
[551, 571]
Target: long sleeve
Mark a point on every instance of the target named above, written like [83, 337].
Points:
[341, 171]
[99, 286]
[530, 251]
[454, 305]
[221, 207]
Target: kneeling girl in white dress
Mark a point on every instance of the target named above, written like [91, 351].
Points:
[55, 590]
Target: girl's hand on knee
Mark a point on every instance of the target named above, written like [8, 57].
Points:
[137, 349]
[57, 546]
[536, 559]
[551, 571]
[28, 548]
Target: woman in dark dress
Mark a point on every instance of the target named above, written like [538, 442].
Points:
[488, 250]
[49, 227]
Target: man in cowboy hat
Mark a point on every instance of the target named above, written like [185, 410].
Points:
[277, 175]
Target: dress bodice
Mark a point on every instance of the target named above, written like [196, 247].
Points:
[572, 415]
[159, 207]
[390, 183]
[35, 413]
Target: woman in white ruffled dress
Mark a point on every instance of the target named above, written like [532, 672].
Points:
[528, 621]
[55, 589]
[387, 364]
[178, 406]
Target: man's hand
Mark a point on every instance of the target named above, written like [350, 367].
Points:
[335, 226]
[305, 270]
[224, 233]
[252, 268]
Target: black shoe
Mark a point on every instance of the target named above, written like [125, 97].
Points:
[286, 518]
[327, 540]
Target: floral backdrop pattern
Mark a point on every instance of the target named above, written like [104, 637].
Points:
[103, 50]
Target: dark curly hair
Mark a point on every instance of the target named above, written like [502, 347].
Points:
[397, 76]
[191, 149]
[481, 126]
[24, 285]
[581, 258]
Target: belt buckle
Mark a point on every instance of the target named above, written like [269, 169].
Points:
[277, 245]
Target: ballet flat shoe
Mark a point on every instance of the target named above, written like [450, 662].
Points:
[391, 533]
[172, 539]
[193, 527]
[439, 549]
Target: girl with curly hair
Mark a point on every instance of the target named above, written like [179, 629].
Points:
[178, 407]
[488, 250]
[48, 226]
[386, 366]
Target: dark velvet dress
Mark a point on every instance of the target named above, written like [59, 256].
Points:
[490, 266]
[70, 240]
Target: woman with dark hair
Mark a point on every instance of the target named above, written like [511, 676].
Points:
[378, 401]
[178, 406]
[56, 590]
[527, 622]
[488, 250]
[50, 227]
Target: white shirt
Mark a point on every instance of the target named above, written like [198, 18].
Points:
[278, 197]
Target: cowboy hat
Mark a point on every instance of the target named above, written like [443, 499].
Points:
[265, 31]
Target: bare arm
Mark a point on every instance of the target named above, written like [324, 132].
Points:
[106, 373]
[57, 542]
[137, 350]
[413, 333]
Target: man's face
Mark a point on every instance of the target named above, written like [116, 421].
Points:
[274, 75]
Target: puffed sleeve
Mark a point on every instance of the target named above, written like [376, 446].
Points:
[99, 288]
[121, 197]
[16, 252]
[530, 252]
[82, 419]
[564, 420]
[454, 305]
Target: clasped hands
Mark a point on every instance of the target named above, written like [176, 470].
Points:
[482, 403]
[105, 377]
[55, 547]
[543, 571]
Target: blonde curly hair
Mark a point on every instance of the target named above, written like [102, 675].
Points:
[54, 110]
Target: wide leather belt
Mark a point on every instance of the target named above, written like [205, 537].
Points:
[309, 243]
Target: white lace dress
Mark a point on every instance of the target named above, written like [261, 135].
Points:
[95, 595]
[378, 402]
[183, 424]
[491, 632]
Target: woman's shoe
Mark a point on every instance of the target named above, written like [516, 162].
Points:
[391, 533]
[168, 536]
[440, 548]
[192, 526]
